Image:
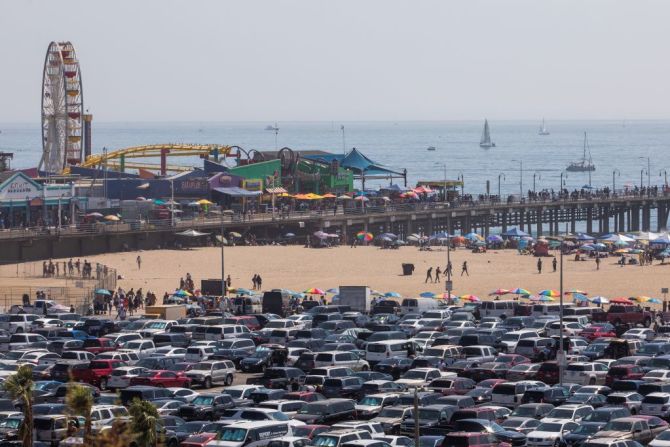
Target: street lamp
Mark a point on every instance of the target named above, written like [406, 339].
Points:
[560, 189]
[648, 172]
[444, 166]
[520, 179]
[539, 176]
[462, 180]
[503, 176]
[642, 171]
[665, 172]
[615, 173]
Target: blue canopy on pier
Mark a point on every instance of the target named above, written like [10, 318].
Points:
[356, 162]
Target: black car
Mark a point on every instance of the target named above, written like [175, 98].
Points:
[547, 395]
[349, 387]
[278, 377]
[395, 366]
[433, 419]
[327, 411]
[257, 361]
[582, 434]
[96, 327]
[187, 429]
[206, 407]
[9, 428]
[264, 394]
[483, 425]
[234, 355]
[425, 361]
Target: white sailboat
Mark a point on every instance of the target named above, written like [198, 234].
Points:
[486, 142]
[586, 163]
[543, 129]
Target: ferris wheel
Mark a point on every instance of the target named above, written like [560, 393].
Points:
[62, 108]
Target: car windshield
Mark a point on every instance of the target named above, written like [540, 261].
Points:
[431, 415]
[551, 427]
[510, 337]
[155, 325]
[317, 409]
[11, 423]
[203, 400]
[391, 413]
[618, 426]
[370, 401]
[561, 413]
[325, 441]
[414, 374]
[202, 367]
[233, 434]
[664, 436]
[527, 412]
[235, 394]
[586, 429]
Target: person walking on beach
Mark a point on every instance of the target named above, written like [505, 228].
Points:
[554, 263]
[429, 275]
[229, 281]
[464, 269]
[449, 270]
[437, 274]
[254, 280]
[597, 262]
[139, 262]
[259, 281]
[539, 265]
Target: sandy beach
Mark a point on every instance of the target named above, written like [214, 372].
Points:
[298, 268]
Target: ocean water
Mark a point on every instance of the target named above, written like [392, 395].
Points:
[621, 145]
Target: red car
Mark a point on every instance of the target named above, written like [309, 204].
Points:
[593, 332]
[161, 378]
[199, 440]
[246, 320]
[622, 372]
[98, 345]
[548, 373]
[309, 431]
[97, 373]
[181, 368]
[305, 396]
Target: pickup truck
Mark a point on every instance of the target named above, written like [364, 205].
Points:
[38, 308]
[623, 314]
[98, 345]
[627, 428]
[97, 373]
[278, 377]
[143, 348]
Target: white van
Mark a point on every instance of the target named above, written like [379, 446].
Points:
[196, 354]
[221, 331]
[448, 353]
[497, 308]
[379, 350]
[509, 394]
[252, 434]
[417, 305]
[540, 310]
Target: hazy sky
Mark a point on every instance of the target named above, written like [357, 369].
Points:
[342, 60]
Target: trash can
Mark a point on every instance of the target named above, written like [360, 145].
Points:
[407, 269]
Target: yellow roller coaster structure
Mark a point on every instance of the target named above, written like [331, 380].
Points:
[122, 159]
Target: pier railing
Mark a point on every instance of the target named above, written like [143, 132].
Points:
[227, 220]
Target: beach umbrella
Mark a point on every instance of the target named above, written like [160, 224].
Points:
[204, 202]
[654, 301]
[141, 199]
[427, 295]
[94, 215]
[329, 196]
[618, 238]
[545, 298]
[494, 238]
[333, 290]
[321, 235]
[361, 199]
[533, 297]
[620, 300]
[243, 291]
[440, 235]
[389, 236]
[159, 202]
[600, 246]
[578, 297]
[576, 291]
[635, 251]
[446, 296]
[289, 235]
[392, 295]
[112, 218]
[473, 237]
[315, 291]
[600, 300]
[587, 248]
[343, 197]
[193, 204]
[471, 298]
[584, 237]
[640, 299]
[520, 291]
[515, 232]
[621, 251]
[181, 293]
[234, 234]
[550, 293]
[621, 243]
[363, 236]
[500, 292]
[102, 292]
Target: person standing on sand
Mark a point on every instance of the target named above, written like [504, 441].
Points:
[139, 262]
[597, 262]
[554, 263]
[259, 281]
[539, 265]
[229, 281]
[429, 275]
[464, 268]
[437, 274]
[254, 280]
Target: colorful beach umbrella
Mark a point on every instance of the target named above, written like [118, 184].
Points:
[364, 236]
[546, 298]
[579, 297]
[446, 296]
[576, 291]
[181, 293]
[621, 300]
[550, 293]
[640, 299]
[315, 291]
[520, 291]
[600, 300]
[471, 298]
[500, 292]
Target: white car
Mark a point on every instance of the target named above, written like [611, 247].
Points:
[662, 440]
[46, 323]
[395, 441]
[40, 358]
[102, 415]
[242, 391]
[340, 358]
[17, 323]
[289, 407]
[168, 407]
[169, 351]
[586, 373]
[212, 371]
[643, 334]
[184, 393]
[120, 377]
[570, 329]
[566, 413]
[143, 348]
[510, 339]
[153, 327]
[419, 377]
[549, 434]
[370, 405]
[657, 375]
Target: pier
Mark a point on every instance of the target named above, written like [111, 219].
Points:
[616, 213]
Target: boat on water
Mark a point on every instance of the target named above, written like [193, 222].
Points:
[586, 163]
[486, 142]
[431, 148]
[543, 129]
[270, 127]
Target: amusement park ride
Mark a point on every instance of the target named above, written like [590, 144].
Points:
[66, 129]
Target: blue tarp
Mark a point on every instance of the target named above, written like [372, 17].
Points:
[234, 191]
[357, 162]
